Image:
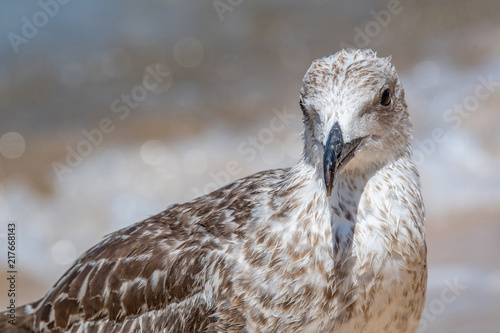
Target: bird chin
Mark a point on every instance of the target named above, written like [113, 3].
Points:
[360, 156]
[368, 155]
[355, 165]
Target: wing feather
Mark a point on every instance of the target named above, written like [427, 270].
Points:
[154, 274]
[135, 270]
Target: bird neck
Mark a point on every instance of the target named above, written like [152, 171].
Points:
[375, 204]
[353, 185]
[363, 209]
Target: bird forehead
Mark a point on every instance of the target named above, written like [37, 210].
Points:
[346, 72]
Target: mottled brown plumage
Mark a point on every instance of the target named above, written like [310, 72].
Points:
[274, 252]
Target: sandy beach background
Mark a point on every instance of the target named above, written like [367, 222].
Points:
[111, 111]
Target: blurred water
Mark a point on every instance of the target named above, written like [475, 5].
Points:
[228, 80]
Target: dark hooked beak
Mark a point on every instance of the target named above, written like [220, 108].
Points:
[336, 155]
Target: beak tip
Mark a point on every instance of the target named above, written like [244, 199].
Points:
[328, 180]
[329, 191]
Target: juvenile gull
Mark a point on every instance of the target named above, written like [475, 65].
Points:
[334, 244]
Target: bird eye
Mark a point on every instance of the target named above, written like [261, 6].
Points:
[386, 98]
[302, 106]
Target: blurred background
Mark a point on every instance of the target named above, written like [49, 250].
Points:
[111, 111]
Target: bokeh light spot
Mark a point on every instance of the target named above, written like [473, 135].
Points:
[63, 252]
[153, 152]
[115, 63]
[12, 145]
[188, 52]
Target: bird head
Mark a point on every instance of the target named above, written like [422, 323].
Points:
[355, 114]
